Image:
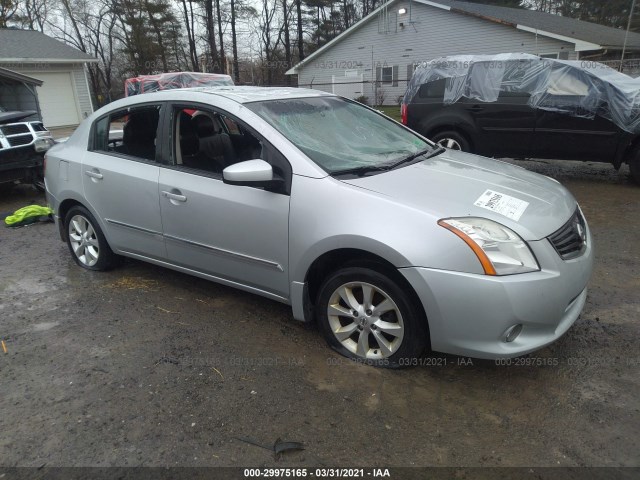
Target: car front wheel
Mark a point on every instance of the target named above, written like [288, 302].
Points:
[86, 242]
[366, 316]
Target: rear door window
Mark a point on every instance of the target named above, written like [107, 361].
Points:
[433, 89]
[131, 131]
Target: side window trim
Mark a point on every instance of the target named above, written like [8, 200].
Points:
[169, 140]
[168, 144]
[91, 144]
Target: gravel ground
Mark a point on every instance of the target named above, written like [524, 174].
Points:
[143, 366]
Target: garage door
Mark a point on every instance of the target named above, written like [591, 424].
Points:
[57, 100]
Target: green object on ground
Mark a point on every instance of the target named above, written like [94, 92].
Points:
[27, 215]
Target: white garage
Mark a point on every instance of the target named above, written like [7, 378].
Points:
[65, 98]
[58, 100]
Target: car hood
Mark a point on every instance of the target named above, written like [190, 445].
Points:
[458, 184]
[13, 116]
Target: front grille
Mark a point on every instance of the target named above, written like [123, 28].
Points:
[14, 129]
[571, 239]
[20, 140]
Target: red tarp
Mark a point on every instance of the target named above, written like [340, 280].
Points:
[167, 81]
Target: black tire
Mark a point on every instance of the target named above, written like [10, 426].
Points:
[94, 246]
[38, 179]
[415, 331]
[447, 137]
[634, 166]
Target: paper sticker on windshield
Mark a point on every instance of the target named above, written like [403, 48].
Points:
[506, 205]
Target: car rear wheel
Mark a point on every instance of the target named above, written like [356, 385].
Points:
[86, 242]
[452, 140]
[366, 316]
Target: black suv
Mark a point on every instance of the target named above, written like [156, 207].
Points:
[526, 108]
[22, 148]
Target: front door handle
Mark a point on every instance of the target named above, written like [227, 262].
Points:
[178, 197]
[475, 108]
[93, 174]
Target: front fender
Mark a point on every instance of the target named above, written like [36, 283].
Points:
[353, 217]
[342, 242]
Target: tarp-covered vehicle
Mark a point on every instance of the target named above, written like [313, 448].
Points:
[22, 147]
[524, 106]
[167, 81]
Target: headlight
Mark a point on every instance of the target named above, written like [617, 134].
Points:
[43, 144]
[499, 249]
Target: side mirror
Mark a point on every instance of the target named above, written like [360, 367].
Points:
[251, 173]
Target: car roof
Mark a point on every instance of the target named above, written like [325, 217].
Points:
[247, 94]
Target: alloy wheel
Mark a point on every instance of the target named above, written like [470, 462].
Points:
[84, 241]
[365, 320]
[449, 143]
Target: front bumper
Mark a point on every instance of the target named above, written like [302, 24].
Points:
[19, 164]
[469, 314]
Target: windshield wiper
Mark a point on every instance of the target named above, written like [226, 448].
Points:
[361, 171]
[429, 153]
[364, 169]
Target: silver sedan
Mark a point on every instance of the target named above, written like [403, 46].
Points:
[391, 243]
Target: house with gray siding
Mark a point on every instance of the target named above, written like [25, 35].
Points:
[64, 96]
[376, 57]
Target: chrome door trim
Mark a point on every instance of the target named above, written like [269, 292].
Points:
[133, 227]
[241, 256]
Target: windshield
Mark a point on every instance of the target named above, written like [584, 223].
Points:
[340, 135]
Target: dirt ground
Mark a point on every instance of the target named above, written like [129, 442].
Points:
[143, 366]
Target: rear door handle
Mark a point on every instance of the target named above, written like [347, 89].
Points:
[475, 108]
[174, 196]
[92, 174]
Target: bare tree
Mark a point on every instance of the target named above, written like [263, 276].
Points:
[33, 14]
[234, 43]
[299, 30]
[191, 36]
[287, 44]
[8, 10]
[268, 38]
[223, 60]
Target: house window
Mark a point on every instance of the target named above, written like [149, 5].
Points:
[549, 55]
[387, 75]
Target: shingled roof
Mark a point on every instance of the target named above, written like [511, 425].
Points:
[31, 46]
[586, 36]
[606, 37]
